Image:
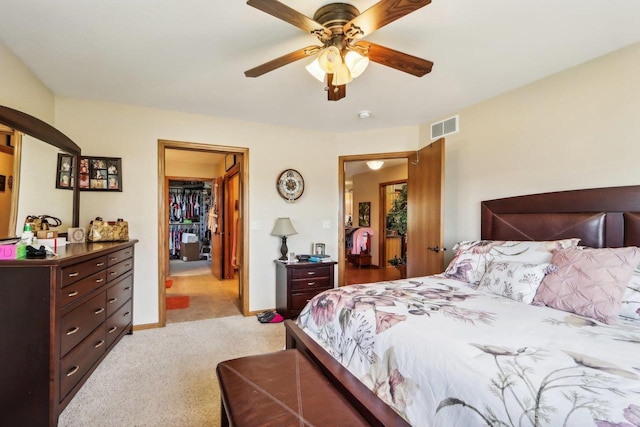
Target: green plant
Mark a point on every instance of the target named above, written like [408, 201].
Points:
[396, 261]
[397, 215]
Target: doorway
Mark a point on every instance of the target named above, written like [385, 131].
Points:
[425, 185]
[202, 186]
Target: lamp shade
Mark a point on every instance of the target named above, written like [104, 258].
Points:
[314, 69]
[356, 63]
[283, 227]
[341, 76]
[329, 59]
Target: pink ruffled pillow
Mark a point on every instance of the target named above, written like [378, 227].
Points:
[589, 282]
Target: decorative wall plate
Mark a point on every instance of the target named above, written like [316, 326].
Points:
[290, 185]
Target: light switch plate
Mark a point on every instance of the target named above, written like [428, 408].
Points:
[326, 224]
[255, 225]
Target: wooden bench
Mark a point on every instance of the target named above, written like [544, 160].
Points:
[281, 389]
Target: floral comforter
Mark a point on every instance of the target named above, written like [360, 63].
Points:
[444, 354]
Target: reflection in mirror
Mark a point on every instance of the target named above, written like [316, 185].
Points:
[29, 155]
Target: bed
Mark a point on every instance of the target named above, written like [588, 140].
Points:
[473, 348]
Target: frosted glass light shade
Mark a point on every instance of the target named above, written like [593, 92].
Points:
[375, 164]
[356, 63]
[315, 70]
[341, 76]
[329, 59]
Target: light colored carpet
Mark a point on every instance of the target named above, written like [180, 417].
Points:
[166, 376]
[209, 298]
[177, 267]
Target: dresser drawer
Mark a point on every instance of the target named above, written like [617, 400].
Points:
[81, 321]
[305, 273]
[77, 290]
[117, 270]
[298, 301]
[119, 321]
[119, 293]
[78, 362]
[118, 256]
[73, 273]
[310, 283]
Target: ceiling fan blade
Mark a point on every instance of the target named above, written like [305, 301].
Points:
[281, 61]
[335, 93]
[381, 14]
[398, 60]
[287, 14]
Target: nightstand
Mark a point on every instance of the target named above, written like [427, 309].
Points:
[298, 282]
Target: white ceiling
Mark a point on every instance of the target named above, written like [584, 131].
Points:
[190, 55]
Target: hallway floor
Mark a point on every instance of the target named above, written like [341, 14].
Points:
[208, 297]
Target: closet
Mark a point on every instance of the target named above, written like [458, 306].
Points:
[189, 203]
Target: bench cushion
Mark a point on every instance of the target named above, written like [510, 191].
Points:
[280, 389]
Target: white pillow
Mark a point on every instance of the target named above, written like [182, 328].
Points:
[515, 280]
[473, 257]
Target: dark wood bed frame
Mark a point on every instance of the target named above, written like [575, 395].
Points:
[600, 217]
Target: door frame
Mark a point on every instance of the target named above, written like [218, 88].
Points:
[341, 201]
[163, 221]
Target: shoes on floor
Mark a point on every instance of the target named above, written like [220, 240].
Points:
[269, 317]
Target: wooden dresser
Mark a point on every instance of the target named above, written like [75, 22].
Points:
[59, 317]
[297, 283]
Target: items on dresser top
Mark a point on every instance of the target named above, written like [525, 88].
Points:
[108, 231]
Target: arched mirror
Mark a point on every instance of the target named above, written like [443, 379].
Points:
[29, 151]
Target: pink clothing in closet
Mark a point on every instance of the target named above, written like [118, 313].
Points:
[361, 240]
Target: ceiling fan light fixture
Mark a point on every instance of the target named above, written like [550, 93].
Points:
[342, 76]
[375, 164]
[329, 59]
[314, 69]
[356, 63]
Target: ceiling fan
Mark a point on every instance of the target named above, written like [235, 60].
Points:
[342, 55]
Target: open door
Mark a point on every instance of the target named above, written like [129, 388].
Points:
[425, 252]
[216, 234]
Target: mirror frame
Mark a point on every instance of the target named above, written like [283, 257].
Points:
[43, 131]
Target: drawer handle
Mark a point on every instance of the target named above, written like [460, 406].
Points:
[99, 344]
[128, 252]
[100, 264]
[127, 314]
[127, 288]
[73, 294]
[72, 371]
[311, 283]
[113, 273]
[74, 274]
[73, 330]
[127, 265]
[113, 329]
[100, 280]
[113, 258]
[311, 273]
[112, 300]
[98, 311]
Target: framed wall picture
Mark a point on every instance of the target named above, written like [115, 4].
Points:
[229, 161]
[364, 214]
[95, 173]
[64, 176]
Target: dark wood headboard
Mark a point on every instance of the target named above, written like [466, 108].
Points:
[600, 217]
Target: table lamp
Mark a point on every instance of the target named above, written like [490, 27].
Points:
[283, 228]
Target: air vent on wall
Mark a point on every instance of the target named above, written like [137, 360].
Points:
[445, 127]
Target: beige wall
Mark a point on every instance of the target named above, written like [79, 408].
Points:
[272, 149]
[366, 188]
[575, 129]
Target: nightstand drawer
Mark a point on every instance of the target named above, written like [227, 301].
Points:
[310, 283]
[312, 272]
[298, 301]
